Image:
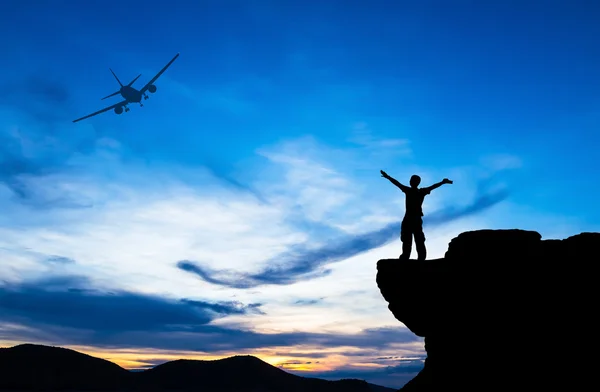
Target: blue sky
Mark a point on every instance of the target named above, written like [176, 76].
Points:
[241, 209]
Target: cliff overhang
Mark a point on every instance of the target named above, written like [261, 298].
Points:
[495, 298]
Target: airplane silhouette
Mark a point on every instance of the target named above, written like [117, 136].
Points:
[130, 94]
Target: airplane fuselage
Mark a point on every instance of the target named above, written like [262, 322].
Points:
[131, 94]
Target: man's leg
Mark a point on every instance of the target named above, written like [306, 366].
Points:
[420, 242]
[406, 238]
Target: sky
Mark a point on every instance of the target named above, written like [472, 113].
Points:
[241, 210]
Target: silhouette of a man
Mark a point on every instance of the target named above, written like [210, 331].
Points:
[412, 224]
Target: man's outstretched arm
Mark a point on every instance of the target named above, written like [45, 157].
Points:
[394, 181]
[438, 184]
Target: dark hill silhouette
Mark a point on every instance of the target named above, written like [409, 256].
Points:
[29, 366]
[174, 374]
[36, 367]
[503, 310]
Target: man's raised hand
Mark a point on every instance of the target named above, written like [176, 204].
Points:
[446, 181]
[384, 174]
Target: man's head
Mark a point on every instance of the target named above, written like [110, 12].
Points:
[415, 181]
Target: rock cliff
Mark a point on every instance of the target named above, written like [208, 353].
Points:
[503, 309]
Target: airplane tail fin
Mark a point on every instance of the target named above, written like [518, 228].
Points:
[112, 95]
[121, 84]
[133, 81]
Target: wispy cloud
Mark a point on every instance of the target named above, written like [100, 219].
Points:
[303, 262]
[500, 162]
[308, 302]
[34, 143]
[120, 318]
[59, 260]
[363, 135]
[391, 376]
[71, 302]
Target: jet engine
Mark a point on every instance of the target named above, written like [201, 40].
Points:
[119, 109]
[152, 88]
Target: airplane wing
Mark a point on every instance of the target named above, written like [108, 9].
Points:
[102, 111]
[143, 90]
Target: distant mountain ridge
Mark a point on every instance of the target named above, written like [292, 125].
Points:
[39, 367]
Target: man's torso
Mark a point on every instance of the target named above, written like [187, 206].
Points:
[414, 202]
